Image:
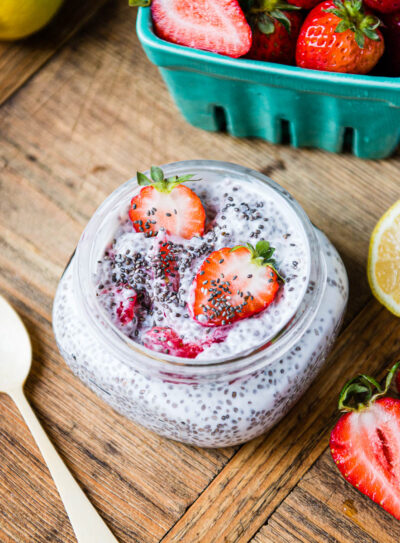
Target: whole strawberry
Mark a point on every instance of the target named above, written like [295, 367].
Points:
[339, 37]
[365, 442]
[391, 34]
[383, 6]
[275, 26]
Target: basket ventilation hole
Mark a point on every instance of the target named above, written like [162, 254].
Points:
[285, 132]
[220, 118]
[348, 140]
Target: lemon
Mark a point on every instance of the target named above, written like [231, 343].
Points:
[384, 260]
[19, 18]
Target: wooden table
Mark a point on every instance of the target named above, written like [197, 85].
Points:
[75, 122]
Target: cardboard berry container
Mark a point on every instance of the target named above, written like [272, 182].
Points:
[278, 103]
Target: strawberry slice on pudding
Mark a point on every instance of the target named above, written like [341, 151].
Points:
[167, 203]
[233, 284]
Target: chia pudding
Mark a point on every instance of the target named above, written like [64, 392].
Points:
[125, 320]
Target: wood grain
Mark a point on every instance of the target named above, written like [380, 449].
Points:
[258, 477]
[323, 507]
[20, 60]
[96, 113]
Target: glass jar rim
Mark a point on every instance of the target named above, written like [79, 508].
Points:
[147, 360]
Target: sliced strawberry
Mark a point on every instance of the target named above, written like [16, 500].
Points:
[233, 284]
[219, 26]
[167, 341]
[365, 443]
[122, 301]
[166, 203]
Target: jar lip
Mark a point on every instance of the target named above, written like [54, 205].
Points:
[147, 359]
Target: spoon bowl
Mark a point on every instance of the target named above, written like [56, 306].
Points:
[15, 349]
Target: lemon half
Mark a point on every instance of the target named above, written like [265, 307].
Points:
[19, 18]
[384, 260]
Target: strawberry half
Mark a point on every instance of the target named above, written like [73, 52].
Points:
[219, 26]
[166, 203]
[365, 443]
[233, 284]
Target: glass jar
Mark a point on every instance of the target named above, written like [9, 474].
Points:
[213, 402]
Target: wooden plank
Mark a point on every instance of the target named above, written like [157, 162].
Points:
[21, 59]
[262, 472]
[324, 508]
[97, 113]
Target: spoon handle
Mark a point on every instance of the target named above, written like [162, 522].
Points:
[87, 524]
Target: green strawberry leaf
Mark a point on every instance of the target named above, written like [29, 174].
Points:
[159, 182]
[157, 174]
[371, 34]
[266, 25]
[262, 247]
[142, 179]
[336, 12]
[281, 17]
[183, 178]
[342, 26]
[359, 37]
[358, 393]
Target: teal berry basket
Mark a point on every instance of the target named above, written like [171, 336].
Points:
[249, 98]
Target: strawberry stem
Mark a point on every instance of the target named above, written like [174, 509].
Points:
[352, 17]
[139, 3]
[262, 14]
[359, 393]
[159, 182]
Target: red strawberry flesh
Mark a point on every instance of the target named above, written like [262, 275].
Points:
[383, 6]
[219, 26]
[123, 301]
[167, 341]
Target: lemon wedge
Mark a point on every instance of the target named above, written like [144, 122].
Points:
[384, 260]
